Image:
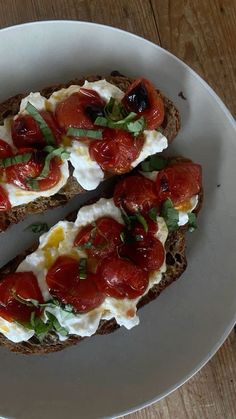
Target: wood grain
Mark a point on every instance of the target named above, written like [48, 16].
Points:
[202, 33]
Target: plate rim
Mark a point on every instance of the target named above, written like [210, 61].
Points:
[231, 120]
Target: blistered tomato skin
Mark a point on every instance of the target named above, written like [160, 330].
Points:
[147, 253]
[179, 182]
[120, 278]
[142, 98]
[65, 284]
[136, 194]
[5, 150]
[79, 110]
[102, 239]
[18, 174]
[26, 131]
[5, 204]
[116, 151]
[23, 285]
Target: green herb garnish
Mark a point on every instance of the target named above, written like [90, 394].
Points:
[90, 133]
[46, 131]
[153, 213]
[53, 152]
[153, 163]
[17, 159]
[122, 237]
[192, 222]
[170, 215]
[137, 126]
[130, 219]
[37, 227]
[83, 268]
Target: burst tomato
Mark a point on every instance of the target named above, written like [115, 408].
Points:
[142, 98]
[135, 193]
[179, 182]
[26, 131]
[18, 284]
[78, 110]
[121, 278]
[65, 284]
[5, 149]
[116, 151]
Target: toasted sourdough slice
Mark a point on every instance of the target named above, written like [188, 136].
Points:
[170, 128]
[176, 264]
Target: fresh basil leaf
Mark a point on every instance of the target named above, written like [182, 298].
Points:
[83, 268]
[154, 162]
[114, 110]
[170, 215]
[121, 124]
[123, 237]
[192, 222]
[40, 328]
[137, 126]
[90, 133]
[54, 152]
[130, 219]
[56, 325]
[102, 121]
[17, 159]
[142, 221]
[37, 228]
[153, 213]
[46, 131]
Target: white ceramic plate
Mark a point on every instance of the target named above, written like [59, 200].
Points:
[182, 329]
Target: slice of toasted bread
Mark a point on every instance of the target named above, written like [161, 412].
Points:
[176, 264]
[10, 107]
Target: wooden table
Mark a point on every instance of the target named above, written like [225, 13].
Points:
[202, 33]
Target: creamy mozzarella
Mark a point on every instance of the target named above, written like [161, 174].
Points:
[14, 331]
[105, 90]
[102, 208]
[36, 99]
[183, 215]
[86, 171]
[154, 142]
[5, 131]
[18, 196]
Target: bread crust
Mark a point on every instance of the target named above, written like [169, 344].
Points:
[10, 107]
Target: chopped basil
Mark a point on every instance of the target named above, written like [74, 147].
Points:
[192, 222]
[122, 237]
[90, 133]
[56, 325]
[46, 131]
[83, 268]
[137, 126]
[40, 328]
[130, 219]
[17, 159]
[154, 162]
[153, 213]
[170, 215]
[142, 221]
[114, 110]
[53, 152]
[37, 227]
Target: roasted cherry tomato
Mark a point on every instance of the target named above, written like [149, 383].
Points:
[179, 182]
[135, 193]
[79, 110]
[116, 151]
[100, 240]
[26, 131]
[121, 278]
[5, 150]
[148, 253]
[5, 204]
[142, 98]
[18, 174]
[65, 284]
[22, 285]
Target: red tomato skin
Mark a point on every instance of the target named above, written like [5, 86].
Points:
[155, 112]
[5, 204]
[135, 194]
[116, 152]
[64, 283]
[179, 182]
[71, 112]
[121, 278]
[148, 253]
[5, 149]
[26, 131]
[105, 237]
[18, 174]
[24, 285]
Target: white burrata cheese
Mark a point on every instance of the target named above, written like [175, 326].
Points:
[183, 215]
[154, 142]
[36, 99]
[14, 331]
